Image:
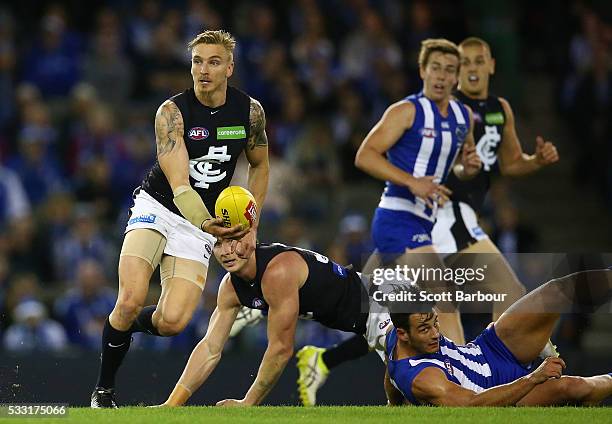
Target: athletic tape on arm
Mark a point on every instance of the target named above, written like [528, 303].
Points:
[191, 206]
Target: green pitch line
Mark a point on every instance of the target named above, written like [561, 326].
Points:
[332, 415]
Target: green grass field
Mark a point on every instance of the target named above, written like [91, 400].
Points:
[335, 415]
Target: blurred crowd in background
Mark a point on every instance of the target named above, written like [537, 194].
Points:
[81, 81]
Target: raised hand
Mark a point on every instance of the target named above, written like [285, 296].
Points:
[546, 152]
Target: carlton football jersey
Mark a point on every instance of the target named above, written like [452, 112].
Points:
[215, 138]
[331, 295]
[489, 121]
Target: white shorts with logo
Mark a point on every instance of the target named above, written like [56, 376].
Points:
[183, 239]
[376, 331]
[456, 228]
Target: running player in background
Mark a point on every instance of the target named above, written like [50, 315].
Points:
[497, 144]
[413, 148]
[426, 368]
[200, 134]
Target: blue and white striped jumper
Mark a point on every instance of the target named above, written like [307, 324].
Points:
[428, 148]
[484, 363]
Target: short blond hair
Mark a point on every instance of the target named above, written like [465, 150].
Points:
[432, 45]
[475, 41]
[218, 37]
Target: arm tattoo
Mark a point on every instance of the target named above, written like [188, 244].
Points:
[168, 127]
[257, 120]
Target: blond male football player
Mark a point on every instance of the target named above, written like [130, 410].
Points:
[200, 134]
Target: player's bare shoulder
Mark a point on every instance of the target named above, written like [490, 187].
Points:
[429, 385]
[404, 108]
[226, 295]
[257, 123]
[283, 265]
[169, 126]
[284, 270]
[400, 113]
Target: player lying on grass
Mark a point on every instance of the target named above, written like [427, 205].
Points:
[426, 368]
[288, 282]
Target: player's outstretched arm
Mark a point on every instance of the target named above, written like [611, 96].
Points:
[512, 160]
[207, 353]
[256, 152]
[280, 287]
[431, 386]
[370, 157]
[468, 164]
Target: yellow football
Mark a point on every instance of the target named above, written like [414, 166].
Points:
[236, 205]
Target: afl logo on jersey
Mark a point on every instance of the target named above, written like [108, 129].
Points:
[198, 133]
[429, 132]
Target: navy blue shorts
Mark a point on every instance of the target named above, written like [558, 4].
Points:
[395, 231]
[505, 368]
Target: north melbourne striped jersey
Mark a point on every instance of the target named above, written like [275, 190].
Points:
[428, 148]
[479, 365]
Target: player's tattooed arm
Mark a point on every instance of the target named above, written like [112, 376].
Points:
[168, 127]
[171, 151]
[256, 152]
[257, 123]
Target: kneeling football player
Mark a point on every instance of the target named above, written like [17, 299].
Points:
[287, 282]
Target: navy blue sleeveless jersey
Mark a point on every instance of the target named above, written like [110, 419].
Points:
[489, 121]
[332, 294]
[215, 139]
